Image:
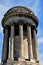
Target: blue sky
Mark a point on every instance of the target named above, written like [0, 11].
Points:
[37, 7]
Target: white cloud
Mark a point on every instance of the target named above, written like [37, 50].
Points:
[39, 33]
[40, 36]
[0, 60]
[40, 40]
[41, 58]
[7, 2]
[36, 6]
[3, 9]
[1, 29]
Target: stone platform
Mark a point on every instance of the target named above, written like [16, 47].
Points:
[10, 62]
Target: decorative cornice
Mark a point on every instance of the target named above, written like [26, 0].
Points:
[20, 12]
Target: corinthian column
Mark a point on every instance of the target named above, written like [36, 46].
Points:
[12, 43]
[29, 43]
[5, 46]
[35, 45]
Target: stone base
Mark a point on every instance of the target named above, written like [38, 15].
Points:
[21, 59]
[10, 62]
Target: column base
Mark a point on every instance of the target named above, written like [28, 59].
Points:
[37, 61]
[9, 61]
[31, 60]
[21, 59]
[21, 63]
[2, 63]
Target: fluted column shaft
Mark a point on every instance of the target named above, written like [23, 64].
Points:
[5, 46]
[35, 43]
[29, 42]
[21, 39]
[12, 43]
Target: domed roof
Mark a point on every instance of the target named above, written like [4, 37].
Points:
[20, 11]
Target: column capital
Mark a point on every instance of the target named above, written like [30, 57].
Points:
[20, 23]
[28, 24]
[6, 27]
[34, 28]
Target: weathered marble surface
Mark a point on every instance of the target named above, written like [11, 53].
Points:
[10, 62]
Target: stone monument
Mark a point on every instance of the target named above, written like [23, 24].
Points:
[20, 42]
